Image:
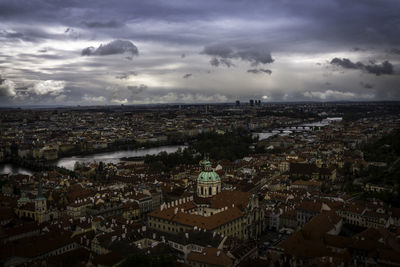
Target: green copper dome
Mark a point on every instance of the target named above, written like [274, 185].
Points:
[207, 175]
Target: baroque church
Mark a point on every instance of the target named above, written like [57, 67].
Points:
[224, 212]
[35, 209]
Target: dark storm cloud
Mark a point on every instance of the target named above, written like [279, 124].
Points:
[187, 75]
[256, 57]
[346, 63]
[334, 23]
[222, 61]
[218, 51]
[222, 55]
[367, 85]
[385, 68]
[257, 71]
[36, 34]
[112, 48]
[100, 24]
[134, 92]
[16, 36]
[395, 51]
[137, 89]
[378, 69]
[245, 31]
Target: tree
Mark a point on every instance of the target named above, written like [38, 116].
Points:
[16, 191]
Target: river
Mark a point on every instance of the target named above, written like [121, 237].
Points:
[108, 157]
[115, 157]
[13, 169]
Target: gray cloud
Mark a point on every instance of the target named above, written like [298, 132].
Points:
[346, 63]
[40, 56]
[243, 34]
[112, 48]
[367, 85]
[256, 71]
[222, 61]
[326, 23]
[137, 89]
[256, 57]
[17, 36]
[385, 68]
[72, 33]
[7, 88]
[222, 55]
[101, 24]
[378, 69]
[218, 51]
[134, 92]
[125, 75]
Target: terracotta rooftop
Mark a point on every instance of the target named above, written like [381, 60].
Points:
[185, 218]
[211, 256]
[227, 198]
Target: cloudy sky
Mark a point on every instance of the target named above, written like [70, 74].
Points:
[94, 52]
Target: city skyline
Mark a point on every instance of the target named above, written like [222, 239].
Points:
[124, 52]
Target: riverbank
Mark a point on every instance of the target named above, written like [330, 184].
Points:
[117, 152]
[119, 147]
[8, 168]
[114, 157]
[66, 164]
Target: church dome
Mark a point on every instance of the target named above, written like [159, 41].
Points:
[208, 174]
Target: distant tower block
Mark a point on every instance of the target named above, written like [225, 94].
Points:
[237, 103]
[251, 102]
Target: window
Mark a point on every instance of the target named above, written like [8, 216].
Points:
[209, 191]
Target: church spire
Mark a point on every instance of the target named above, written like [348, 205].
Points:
[40, 189]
